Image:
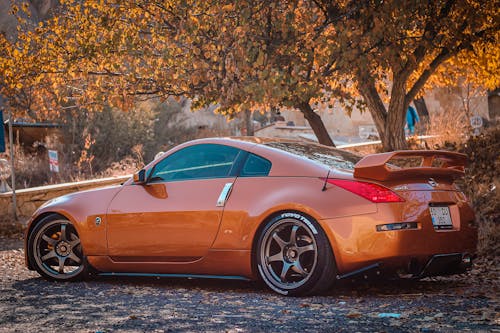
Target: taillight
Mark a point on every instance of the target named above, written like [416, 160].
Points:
[461, 192]
[373, 192]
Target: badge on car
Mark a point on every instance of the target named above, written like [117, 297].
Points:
[433, 182]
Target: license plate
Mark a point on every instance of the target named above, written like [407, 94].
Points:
[441, 218]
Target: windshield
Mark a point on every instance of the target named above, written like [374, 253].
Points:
[328, 156]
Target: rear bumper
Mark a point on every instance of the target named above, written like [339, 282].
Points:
[437, 265]
[418, 252]
[447, 264]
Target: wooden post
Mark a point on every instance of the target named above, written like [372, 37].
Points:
[13, 172]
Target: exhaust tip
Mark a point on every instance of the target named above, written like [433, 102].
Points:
[414, 267]
[466, 261]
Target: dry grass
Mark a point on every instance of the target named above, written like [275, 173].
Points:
[448, 126]
[10, 229]
[489, 238]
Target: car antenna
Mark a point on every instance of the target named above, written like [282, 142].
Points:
[326, 180]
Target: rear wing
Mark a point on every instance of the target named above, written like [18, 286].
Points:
[375, 166]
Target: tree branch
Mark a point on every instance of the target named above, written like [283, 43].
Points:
[429, 33]
[371, 96]
[444, 55]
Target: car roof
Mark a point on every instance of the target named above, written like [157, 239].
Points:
[284, 163]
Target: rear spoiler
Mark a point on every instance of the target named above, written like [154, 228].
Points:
[375, 166]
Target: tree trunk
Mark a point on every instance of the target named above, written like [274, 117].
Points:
[375, 106]
[249, 123]
[396, 117]
[316, 124]
[423, 114]
[390, 123]
[395, 135]
[421, 107]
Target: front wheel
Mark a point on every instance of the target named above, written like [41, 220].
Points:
[294, 256]
[55, 251]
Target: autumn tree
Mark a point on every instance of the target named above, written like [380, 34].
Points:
[18, 72]
[474, 71]
[297, 53]
[85, 56]
[392, 48]
[241, 56]
[260, 54]
[253, 54]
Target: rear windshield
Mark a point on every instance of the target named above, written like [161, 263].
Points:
[330, 157]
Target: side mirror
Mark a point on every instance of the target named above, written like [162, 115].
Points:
[140, 177]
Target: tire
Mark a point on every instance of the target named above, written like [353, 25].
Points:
[55, 251]
[294, 256]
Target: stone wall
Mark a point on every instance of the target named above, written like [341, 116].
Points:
[28, 200]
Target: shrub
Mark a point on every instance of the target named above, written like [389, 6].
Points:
[104, 143]
[483, 186]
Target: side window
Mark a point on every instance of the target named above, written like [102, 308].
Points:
[195, 162]
[255, 166]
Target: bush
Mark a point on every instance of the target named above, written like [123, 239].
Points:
[108, 142]
[97, 139]
[481, 185]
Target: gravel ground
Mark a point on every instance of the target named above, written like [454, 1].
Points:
[28, 303]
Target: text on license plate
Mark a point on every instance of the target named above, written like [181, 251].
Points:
[441, 218]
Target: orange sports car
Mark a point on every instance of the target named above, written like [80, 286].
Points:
[297, 215]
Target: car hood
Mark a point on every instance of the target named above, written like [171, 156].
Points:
[80, 204]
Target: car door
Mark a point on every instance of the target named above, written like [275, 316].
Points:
[252, 193]
[175, 216]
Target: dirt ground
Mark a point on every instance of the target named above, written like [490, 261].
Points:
[28, 303]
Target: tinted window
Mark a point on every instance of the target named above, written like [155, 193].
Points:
[328, 156]
[199, 161]
[255, 166]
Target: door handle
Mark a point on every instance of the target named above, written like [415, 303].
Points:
[224, 194]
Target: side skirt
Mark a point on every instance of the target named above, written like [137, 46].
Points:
[195, 276]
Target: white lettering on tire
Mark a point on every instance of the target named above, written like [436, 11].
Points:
[301, 218]
[269, 283]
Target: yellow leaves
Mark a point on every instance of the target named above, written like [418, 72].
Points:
[239, 32]
[479, 67]
[228, 7]
[260, 58]
[110, 50]
[194, 20]
[196, 79]
[14, 9]
[16, 53]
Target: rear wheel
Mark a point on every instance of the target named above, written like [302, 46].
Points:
[294, 256]
[55, 251]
